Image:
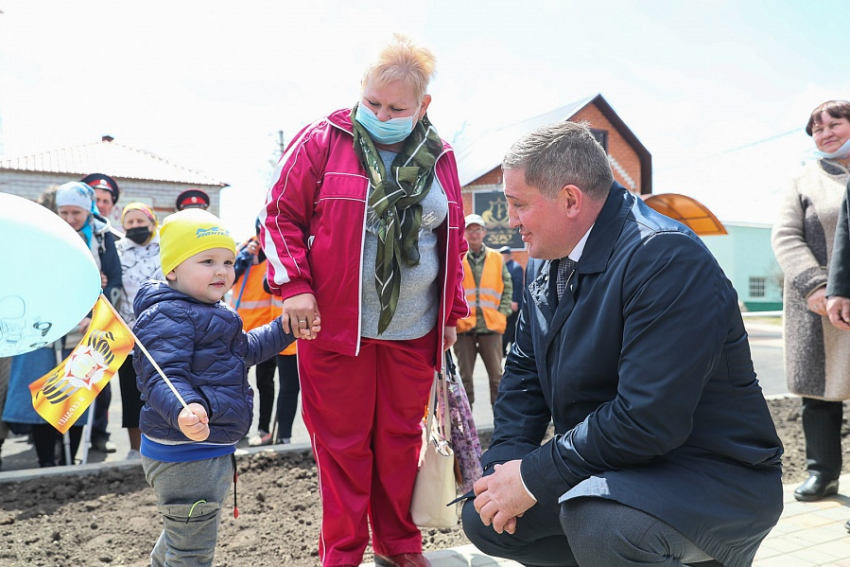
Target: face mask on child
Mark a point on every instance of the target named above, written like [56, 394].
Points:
[139, 234]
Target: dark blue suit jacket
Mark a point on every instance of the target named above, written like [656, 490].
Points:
[644, 367]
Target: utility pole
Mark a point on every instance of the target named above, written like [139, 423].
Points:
[280, 143]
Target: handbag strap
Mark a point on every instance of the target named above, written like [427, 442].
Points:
[440, 435]
[451, 369]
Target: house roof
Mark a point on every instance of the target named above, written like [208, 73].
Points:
[107, 155]
[484, 153]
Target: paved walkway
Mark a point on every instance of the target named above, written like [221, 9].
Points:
[809, 533]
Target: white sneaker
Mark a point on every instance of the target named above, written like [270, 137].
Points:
[133, 455]
[260, 439]
[284, 441]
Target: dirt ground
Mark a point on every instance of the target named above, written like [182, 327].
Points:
[111, 518]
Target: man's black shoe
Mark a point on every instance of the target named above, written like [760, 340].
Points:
[816, 488]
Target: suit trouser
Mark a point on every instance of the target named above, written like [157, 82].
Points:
[588, 532]
[364, 416]
[822, 428]
[489, 346]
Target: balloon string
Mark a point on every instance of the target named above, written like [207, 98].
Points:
[149, 357]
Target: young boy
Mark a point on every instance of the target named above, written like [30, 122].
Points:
[198, 342]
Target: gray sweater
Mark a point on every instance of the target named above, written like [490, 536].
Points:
[419, 297]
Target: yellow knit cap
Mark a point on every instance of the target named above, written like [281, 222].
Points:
[189, 232]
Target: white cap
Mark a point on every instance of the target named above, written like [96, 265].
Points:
[475, 219]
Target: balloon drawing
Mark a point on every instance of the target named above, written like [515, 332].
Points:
[51, 281]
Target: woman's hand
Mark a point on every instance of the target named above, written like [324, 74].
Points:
[817, 301]
[194, 423]
[299, 313]
[449, 337]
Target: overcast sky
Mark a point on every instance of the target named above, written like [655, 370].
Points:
[717, 90]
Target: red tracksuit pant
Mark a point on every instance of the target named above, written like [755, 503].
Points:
[363, 414]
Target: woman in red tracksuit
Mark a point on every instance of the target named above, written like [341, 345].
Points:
[363, 226]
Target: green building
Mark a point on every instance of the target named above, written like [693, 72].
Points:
[746, 256]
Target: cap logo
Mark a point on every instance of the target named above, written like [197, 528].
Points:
[213, 231]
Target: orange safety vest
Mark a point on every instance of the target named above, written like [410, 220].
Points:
[257, 308]
[487, 295]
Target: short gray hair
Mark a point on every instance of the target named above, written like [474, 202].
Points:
[559, 154]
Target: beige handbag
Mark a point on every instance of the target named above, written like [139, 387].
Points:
[435, 482]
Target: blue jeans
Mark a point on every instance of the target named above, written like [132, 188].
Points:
[189, 497]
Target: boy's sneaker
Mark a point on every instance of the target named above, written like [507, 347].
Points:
[260, 439]
[284, 441]
[133, 455]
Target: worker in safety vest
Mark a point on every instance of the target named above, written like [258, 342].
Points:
[257, 307]
[489, 290]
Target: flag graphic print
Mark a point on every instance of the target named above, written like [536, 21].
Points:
[63, 394]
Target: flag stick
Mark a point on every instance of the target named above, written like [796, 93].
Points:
[89, 425]
[147, 354]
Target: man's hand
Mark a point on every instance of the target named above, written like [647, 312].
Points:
[838, 309]
[500, 498]
[299, 313]
[816, 302]
[514, 306]
[194, 423]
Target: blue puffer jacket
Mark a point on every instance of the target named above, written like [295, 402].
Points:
[204, 352]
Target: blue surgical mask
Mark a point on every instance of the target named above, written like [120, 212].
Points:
[390, 132]
[841, 153]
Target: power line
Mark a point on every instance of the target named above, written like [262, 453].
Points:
[757, 142]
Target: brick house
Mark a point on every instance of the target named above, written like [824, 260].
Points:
[141, 175]
[479, 163]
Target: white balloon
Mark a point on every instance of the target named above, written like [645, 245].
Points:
[50, 281]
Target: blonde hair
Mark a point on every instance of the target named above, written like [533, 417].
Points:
[402, 60]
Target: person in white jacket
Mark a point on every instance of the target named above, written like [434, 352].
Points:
[139, 252]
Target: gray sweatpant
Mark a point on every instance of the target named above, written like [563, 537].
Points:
[189, 497]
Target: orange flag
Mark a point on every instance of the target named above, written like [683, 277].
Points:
[62, 395]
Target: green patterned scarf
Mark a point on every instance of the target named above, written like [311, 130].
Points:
[395, 199]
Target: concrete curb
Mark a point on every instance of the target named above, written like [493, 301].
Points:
[95, 468]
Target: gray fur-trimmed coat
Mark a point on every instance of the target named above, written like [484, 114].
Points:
[816, 353]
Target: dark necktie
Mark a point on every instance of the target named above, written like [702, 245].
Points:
[566, 267]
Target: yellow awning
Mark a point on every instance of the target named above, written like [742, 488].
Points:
[687, 211]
